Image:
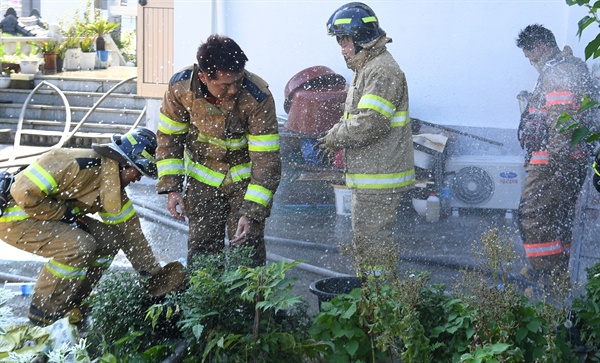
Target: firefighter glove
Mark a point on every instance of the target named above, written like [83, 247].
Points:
[325, 148]
[73, 219]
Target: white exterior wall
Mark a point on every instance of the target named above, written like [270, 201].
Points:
[460, 57]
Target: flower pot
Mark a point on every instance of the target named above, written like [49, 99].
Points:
[103, 58]
[328, 288]
[29, 66]
[14, 67]
[72, 59]
[60, 61]
[4, 82]
[88, 61]
[50, 63]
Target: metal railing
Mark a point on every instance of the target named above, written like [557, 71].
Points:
[17, 157]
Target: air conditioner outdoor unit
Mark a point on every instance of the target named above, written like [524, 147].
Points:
[493, 182]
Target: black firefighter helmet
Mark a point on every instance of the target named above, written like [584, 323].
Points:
[136, 148]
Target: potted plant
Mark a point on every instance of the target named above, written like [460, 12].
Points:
[49, 49]
[88, 55]
[73, 50]
[10, 63]
[100, 28]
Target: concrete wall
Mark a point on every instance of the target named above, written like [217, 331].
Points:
[460, 58]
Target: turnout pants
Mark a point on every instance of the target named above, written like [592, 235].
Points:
[212, 211]
[374, 219]
[77, 259]
[547, 211]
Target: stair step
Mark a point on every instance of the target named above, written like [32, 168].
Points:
[45, 112]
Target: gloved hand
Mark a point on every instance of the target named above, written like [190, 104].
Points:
[325, 149]
[74, 220]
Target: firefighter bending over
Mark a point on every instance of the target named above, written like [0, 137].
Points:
[49, 215]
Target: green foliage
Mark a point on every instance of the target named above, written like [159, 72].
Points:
[100, 26]
[87, 44]
[587, 311]
[46, 46]
[127, 45]
[118, 310]
[235, 313]
[592, 50]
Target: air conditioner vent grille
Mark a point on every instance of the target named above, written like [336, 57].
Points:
[472, 185]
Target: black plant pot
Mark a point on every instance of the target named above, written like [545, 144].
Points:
[328, 288]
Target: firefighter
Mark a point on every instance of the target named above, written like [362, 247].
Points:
[375, 131]
[218, 132]
[555, 169]
[49, 214]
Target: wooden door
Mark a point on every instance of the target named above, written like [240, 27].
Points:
[155, 47]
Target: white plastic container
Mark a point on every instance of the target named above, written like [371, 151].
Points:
[432, 213]
[343, 200]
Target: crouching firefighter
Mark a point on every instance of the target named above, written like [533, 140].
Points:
[49, 214]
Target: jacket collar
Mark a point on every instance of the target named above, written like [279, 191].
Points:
[369, 51]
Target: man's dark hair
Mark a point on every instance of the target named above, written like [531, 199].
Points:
[220, 53]
[533, 35]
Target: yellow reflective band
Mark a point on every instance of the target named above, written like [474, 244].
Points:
[203, 174]
[103, 261]
[380, 181]
[593, 166]
[342, 21]
[13, 214]
[170, 167]
[171, 127]
[400, 119]
[213, 141]
[258, 194]
[231, 144]
[148, 156]
[240, 172]
[115, 218]
[237, 144]
[131, 139]
[369, 19]
[263, 143]
[41, 178]
[64, 271]
[379, 104]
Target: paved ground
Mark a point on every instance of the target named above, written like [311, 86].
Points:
[304, 226]
[311, 234]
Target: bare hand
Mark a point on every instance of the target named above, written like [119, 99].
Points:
[176, 199]
[243, 229]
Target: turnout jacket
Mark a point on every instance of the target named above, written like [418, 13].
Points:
[375, 130]
[562, 83]
[85, 182]
[231, 142]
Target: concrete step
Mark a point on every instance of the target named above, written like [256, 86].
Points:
[53, 113]
[45, 113]
[75, 98]
[88, 84]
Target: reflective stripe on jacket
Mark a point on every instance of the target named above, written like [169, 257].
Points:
[375, 131]
[555, 94]
[236, 141]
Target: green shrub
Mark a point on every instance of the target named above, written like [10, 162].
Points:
[118, 310]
